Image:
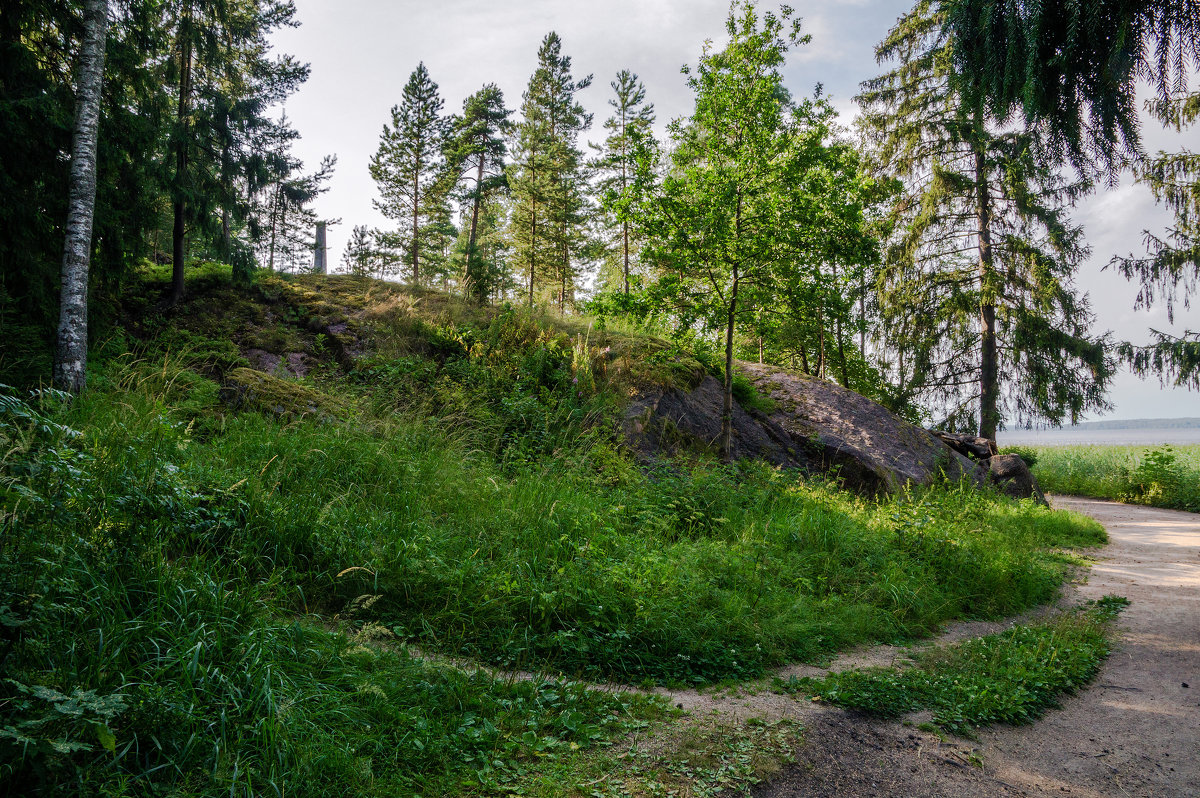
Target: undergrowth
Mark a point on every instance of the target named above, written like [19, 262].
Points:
[1165, 476]
[1010, 677]
[176, 543]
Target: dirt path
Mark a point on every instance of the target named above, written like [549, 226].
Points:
[1134, 732]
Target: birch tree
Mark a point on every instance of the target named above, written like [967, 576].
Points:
[70, 364]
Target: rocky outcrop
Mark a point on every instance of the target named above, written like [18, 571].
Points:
[968, 445]
[814, 425]
[821, 427]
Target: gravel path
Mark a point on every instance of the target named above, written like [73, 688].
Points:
[1134, 732]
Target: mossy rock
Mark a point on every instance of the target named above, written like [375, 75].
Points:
[247, 389]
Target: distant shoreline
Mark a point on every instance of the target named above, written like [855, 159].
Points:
[1133, 423]
[1138, 432]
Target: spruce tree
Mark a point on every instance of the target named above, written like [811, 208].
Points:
[1071, 68]
[631, 120]
[223, 80]
[977, 297]
[409, 169]
[1170, 272]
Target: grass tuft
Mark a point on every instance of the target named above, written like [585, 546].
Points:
[1011, 677]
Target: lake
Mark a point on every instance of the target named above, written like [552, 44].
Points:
[1075, 436]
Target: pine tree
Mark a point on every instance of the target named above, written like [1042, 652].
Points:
[476, 154]
[976, 291]
[70, 363]
[547, 181]
[632, 119]
[409, 169]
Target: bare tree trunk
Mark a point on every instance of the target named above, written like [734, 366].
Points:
[71, 354]
[70, 362]
[727, 404]
[179, 228]
[989, 385]
[624, 180]
[837, 331]
[862, 317]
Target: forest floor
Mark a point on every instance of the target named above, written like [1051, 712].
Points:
[1133, 732]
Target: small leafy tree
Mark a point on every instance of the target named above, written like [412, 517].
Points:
[730, 225]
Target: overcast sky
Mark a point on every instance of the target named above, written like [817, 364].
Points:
[363, 51]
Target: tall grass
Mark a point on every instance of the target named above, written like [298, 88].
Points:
[171, 570]
[151, 640]
[1165, 476]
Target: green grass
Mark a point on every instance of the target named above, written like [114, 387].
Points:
[1164, 476]
[1011, 677]
[173, 566]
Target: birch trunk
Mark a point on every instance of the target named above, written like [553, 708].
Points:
[70, 362]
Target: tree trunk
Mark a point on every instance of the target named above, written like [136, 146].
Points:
[862, 317]
[841, 347]
[473, 259]
[532, 248]
[989, 384]
[274, 222]
[416, 247]
[179, 228]
[70, 362]
[727, 404]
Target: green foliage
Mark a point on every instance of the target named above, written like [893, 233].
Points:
[1073, 69]
[139, 654]
[1027, 453]
[1010, 677]
[749, 397]
[1165, 477]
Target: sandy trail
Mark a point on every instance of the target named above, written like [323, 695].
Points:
[1134, 732]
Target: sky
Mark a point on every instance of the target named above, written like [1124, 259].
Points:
[363, 51]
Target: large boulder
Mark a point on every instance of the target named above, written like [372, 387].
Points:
[1012, 476]
[815, 425]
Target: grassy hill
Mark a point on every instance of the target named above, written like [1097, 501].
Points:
[254, 557]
